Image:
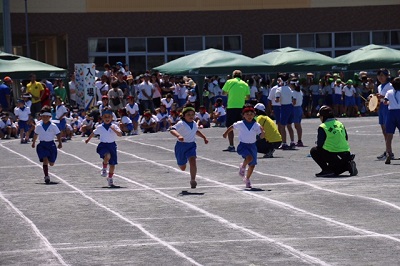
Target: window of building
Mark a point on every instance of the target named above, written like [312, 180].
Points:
[138, 63]
[99, 61]
[361, 38]
[112, 60]
[155, 45]
[289, 40]
[272, 42]
[232, 43]
[137, 44]
[97, 45]
[323, 40]
[155, 61]
[175, 44]
[341, 52]
[343, 39]
[380, 37]
[193, 43]
[213, 42]
[116, 45]
[306, 41]
[395, 37]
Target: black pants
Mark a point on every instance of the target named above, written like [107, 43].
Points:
[336, 162]
[264, 146]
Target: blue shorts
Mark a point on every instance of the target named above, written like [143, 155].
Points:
[135, 118]
[358, 101]
[315, 100]
[337, 99]
[349, 101]
[286, 114]
[297, 114]
[382, 112]
[23, 125]
[277, 113]
[392, 121]
[183, 151]
[47, 149]
[221, 119]
[111, 148]
[62, 125]
[129, 126]
[246, 149]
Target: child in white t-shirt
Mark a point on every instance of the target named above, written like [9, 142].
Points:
[248, 130]
[148, 124]
[203, 119]
[22, 113]
[86, 126]
[125, 123]
[132, 108]
[185, 148]
[107, 148]
[162, 117]
[46, 150]
[168, 102]
[219, 113]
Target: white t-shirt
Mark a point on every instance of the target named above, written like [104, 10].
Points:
[203, 117]
[46, 135]
[188, 134]
[271, 96]
[220, 110]
[148, 122]
[161, 116]
[166, 103]
[72, 87]
[298, 96]
[100, 88]
[107, 136]
[253, 92]
[387, 87]
[23, 115]
[285, 94]
[145, 87]
[132, 110]
[60, 111]
[349, 91]
[126, 120]
[394, 99]
[245, 135]
[338, 89]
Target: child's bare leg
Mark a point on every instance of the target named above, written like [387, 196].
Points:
[46, 166]
[182, 167]
[250, 171]
[106, 159]
[111, 171]
[193, 167]
[247, 160]
[21, 134]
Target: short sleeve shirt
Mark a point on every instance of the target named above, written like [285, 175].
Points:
[188, 134]
[35, 89]
[237, 91]
[244, 134]
[106, 136]
[46, 135]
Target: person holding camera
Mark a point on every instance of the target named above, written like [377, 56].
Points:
[332, 152]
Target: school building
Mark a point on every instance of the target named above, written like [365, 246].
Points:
[145, 34]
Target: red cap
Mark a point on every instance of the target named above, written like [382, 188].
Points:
[7, 79]
[104, 97]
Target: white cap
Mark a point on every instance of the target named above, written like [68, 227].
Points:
[260, 106]
[215, 82]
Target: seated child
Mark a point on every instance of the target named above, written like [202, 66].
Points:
[168, 101]
[148, 124]
[203, 118]
[132, 109]
[174, 117]
[162, 117]
[219, 113]
[125, 124]
[86, 126]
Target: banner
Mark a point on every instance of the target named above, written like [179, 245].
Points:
[85, 75]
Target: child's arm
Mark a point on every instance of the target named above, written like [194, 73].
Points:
[176, 134]
[200, 134]
[229, 129]
[34, 140]
[117, 130]
[89, 138]
[59, 140]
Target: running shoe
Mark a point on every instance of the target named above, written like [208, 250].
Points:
[325, 174]
[353, 169]
[269, 154]
[47, 179]
[292, 146]
[284, 146]
[299, 144]
[382, 156]
[387, 161]
[193, 183]
[247, 182]
[230, 149]
[242, 170]
[104, 172]
[110, 182]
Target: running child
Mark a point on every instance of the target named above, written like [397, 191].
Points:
[185, 148]
[248, 130]
[107, 148]
[22, 114]
[46, 149]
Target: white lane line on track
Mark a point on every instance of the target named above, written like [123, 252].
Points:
[284, 177]
[285, 205]
[285, 248]
[36, 230]
[138, 226]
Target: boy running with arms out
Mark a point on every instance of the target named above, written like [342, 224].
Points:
[46, 149]
[185, 148]
[248, 130]
[107, 148]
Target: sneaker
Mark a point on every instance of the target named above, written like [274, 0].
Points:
[230, 149]
[247, 182]
[284, 146]
[299, 144]
[104, 172]
[382, 156]
[242, 170]
[47, 179]
[325, 174]
[353, 169]
[387, 161]
[193, 183]
[292, 146]
[269, 154]
[110, 182]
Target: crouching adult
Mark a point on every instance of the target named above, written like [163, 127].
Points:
[332, 152]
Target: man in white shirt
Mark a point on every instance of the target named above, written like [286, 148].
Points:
[146, 90]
